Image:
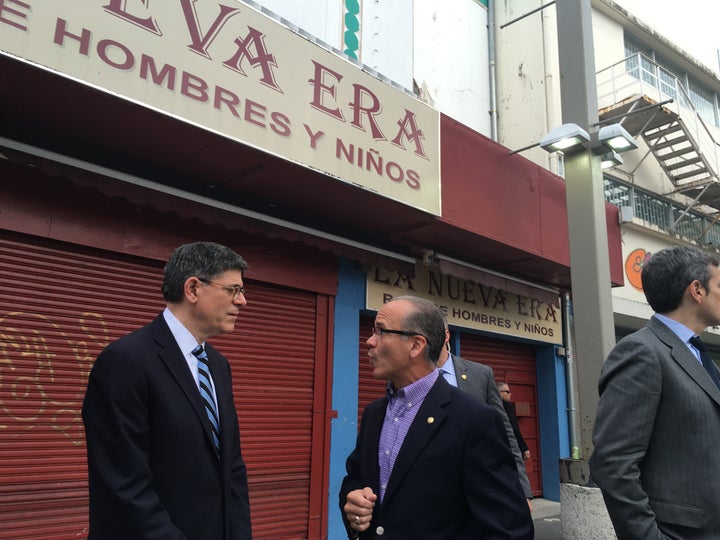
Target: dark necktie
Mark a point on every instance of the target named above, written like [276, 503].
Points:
[706, 360]
[206, 394]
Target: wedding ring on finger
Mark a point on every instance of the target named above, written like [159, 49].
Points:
[357, 520]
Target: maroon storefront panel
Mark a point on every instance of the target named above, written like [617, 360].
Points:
[369, 388]
[513, 363]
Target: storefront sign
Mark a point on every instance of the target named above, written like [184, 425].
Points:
[469, 304]
[232, 70]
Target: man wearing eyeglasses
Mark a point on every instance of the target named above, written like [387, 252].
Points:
[163, 441]
[509, 405]
[430, 461]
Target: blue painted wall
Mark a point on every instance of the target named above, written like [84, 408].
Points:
[552, 418]
[349, 302]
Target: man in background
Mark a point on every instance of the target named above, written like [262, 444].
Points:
[509, 405]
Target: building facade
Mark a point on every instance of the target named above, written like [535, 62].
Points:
[665, 98]
[343, 148]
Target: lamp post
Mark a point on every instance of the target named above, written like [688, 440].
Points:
[589, 262]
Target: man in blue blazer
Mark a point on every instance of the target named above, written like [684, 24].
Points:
[430, 461]
[158, 466]
[657, 428]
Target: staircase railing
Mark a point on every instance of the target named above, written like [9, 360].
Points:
[638, 75]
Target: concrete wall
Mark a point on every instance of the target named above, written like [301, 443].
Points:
[528, 79]
[440, 48]
[451, 59]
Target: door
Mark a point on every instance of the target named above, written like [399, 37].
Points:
[513, 363]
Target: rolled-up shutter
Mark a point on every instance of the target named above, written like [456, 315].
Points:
[369, 388]
[513, 363]
[60, 305]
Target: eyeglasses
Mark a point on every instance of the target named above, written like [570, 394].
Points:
[234, 290]
[378, 331]
[505, 392]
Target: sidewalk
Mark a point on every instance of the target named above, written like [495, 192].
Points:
[546, 518]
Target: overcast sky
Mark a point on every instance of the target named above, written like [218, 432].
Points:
[690, 24]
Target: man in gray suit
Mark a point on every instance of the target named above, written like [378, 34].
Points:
[657, 429]
[478, 380]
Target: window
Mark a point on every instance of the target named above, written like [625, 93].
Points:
[703, 101]
[639, 63]
[643, 64]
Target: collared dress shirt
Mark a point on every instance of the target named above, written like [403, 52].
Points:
[681, 331]
[448, 371]
[187, 342]
[401, 409]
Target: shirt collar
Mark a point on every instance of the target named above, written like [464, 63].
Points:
[449, 366]
[679, 329]
[416, 391]
[185, 340]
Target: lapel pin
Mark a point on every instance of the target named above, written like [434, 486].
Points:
[463, 377]
[430, 420]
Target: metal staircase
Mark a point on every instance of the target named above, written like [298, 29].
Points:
[637, 90]
[679, 155]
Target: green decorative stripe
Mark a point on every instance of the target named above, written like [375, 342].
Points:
[351, 39]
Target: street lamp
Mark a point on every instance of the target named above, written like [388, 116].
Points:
[565, 138]
[608, 142]
[617, 138]
[593, 323]
[610, 159]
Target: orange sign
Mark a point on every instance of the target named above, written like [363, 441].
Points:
[633, 267]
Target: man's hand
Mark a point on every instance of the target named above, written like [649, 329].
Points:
[358, 508]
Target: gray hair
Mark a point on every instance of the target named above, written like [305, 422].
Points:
[204, 260]
[427, 320]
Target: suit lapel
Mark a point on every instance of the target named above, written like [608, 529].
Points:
[424, 427]
[173, 358]
[681, 354]
[372, 426]
[461, 373]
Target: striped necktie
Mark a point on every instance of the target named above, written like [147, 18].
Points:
[206, 394]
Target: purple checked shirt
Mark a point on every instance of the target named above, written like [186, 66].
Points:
[402, 407]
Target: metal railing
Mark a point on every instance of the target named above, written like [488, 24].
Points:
[638, 75]
[662, 213]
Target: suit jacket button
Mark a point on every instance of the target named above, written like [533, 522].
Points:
[380, 531]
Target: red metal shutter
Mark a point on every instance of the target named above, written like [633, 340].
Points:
[369, 388]
[58, 309]
[59, 306]
[272, 354]
[513, 363]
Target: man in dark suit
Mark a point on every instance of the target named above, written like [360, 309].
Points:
[657, 429]
[430, 461]
[478, 380]
[162, 434]
[509, 405]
